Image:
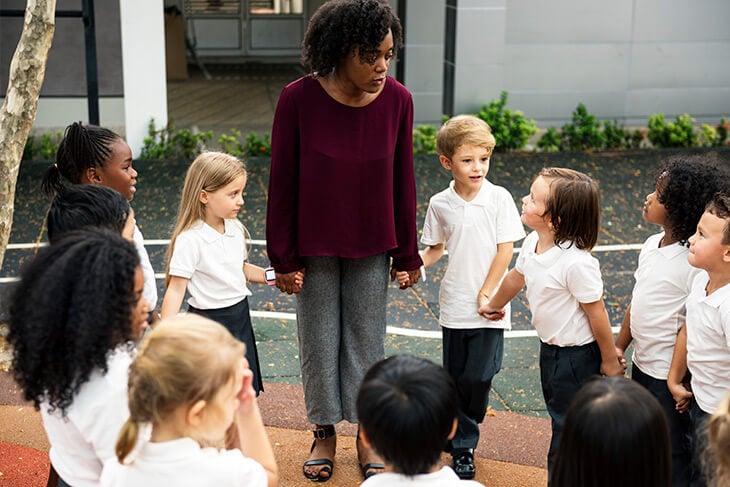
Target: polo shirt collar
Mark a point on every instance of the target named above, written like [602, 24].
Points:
[718, 297]
[671, 251]
[481, 199]
[210, 235]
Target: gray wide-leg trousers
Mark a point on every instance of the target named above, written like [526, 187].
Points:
[341, 313]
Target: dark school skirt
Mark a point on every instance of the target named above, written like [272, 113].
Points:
[237, 319]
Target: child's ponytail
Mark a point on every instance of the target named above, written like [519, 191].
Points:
[127, 439]
[82, 147]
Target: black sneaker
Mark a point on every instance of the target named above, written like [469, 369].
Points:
[464, 465]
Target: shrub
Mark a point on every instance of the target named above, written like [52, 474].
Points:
[615, 136]
[169, 142]
[510, 128]
[231, 143]
[424, 139]
[679, 133]
[256, 146]
[550, 141]
[584, 132]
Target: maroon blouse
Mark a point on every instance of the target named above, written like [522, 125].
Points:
[341, 181]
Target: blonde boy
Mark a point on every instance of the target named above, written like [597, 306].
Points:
[703, 344]
[477, 222]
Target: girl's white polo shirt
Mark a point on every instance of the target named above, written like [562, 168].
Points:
[558, 280]
[663, 282]
[470, 232]
[708, 343]
[213, 263]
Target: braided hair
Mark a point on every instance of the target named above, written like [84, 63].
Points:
[82, 147]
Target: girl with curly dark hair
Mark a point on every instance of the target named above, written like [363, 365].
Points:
[342, 208]
[74, 316]
[89, 154]
[656, 313]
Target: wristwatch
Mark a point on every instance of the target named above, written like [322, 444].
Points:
[270, 276]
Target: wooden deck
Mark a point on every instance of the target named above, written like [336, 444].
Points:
[239, 96]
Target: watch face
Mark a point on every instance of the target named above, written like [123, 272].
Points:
[270, 275]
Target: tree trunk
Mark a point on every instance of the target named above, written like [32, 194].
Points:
[17, 114]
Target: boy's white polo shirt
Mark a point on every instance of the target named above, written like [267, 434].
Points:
[470, 232]
[213, 263]
[557, 282]
[663, 282]
[708, 343]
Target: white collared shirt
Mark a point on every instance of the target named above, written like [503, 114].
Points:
[441, 478]
[558, 281]
[150, 282]
[183, 463]
[86, 437]
[708, 343]
[213, 263]
[663, 282]
[470, 232]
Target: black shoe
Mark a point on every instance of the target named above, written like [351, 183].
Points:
[464, 465]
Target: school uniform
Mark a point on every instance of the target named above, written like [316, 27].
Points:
[213, 264]
[558, 281]
[183, 463]
[83, 439]
[663, 282]
[472, 345]
[441, 478]
[150, 282]
[708, 360]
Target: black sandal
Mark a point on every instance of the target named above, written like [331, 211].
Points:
[371, 466]
[320, 434]
[367, 469]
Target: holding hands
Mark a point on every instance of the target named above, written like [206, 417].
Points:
[291, 282]
[405, 279]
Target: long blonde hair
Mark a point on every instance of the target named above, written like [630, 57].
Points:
[185, 359]
[210, 171]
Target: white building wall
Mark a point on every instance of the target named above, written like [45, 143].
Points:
[624, 59]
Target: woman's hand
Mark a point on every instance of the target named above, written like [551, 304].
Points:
[291, 282]
[403, 282]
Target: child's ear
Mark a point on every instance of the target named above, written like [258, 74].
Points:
[91, 176]
[726, 254]
[445, 161]
[203, 198]
[194, 415]
[453, 429]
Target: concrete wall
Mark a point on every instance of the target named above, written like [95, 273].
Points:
[624, 59]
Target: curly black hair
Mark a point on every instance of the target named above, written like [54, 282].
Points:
[339, 26]
[72, 306]
[684, 186]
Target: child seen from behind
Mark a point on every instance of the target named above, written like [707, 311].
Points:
[407, 408]
[476, 222]
[663, 281]
[564, 288]
[718, 432]
[190, 382]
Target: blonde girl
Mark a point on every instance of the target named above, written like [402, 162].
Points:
[189, 382]
[564, 288]
[208, 254]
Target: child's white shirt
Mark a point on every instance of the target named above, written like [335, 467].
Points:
[708, 343]
[86, 437]
[213, 264]
[441, 478]
[470, 232]
[558, 281]
[183, 463]
[150, 282]
[663, 282]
